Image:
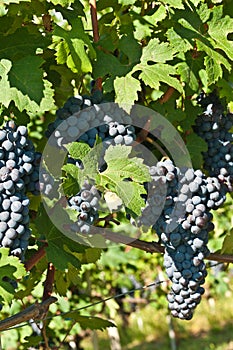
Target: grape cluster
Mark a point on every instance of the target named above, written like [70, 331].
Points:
[85, 202]
[74, 122]
[214, 127]
[17, 165]
[181, 204]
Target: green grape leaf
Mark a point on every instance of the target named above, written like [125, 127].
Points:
[177, 4]
[130, 193]
[116, 177]
[47, 103]
[32, 341]
[185, 70]
[62, 250]
[91, 255]
[153, 75]
[118, 157]
[61, 283]
[13, 269]
[71, 46]
[225, 88]
[157, 16]
[27, 77]
[72, 170]
[196, 146]
[78, 150]
[213, 64]
[88, 156]
[21, 44]
[219, 30]
[130, 47]
[157, 52]
[70, 185]
[42, 221]
[73, 275]
[108, 65]
[62, 49]
[213, 70]
[8, 2]
[179, 43]
[127, 2]
[167, 110]
[63, 3]
[8, 93]
[214, 60]
[227, 246]
[5, 90]
[30, 283]
[89, 322]
[126, 89]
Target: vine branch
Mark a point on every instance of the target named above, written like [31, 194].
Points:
[96, 37]
[94, 20]
[35, 312]
[154, 247]
[48, 285]
[30, 263]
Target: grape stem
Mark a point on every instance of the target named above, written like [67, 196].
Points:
[94, 21]
[159, 148]
[168, 94]
[142, 135]
[154, 247]
[107, 219]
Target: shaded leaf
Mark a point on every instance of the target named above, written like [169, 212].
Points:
[196, 146]
[27, 77]
[178, 4]
[227, 247]
[71, 47]
[21, 43]
[12, 268]
[57, 252]
[89, 322]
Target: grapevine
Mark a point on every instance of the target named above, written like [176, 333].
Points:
[115, 144]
